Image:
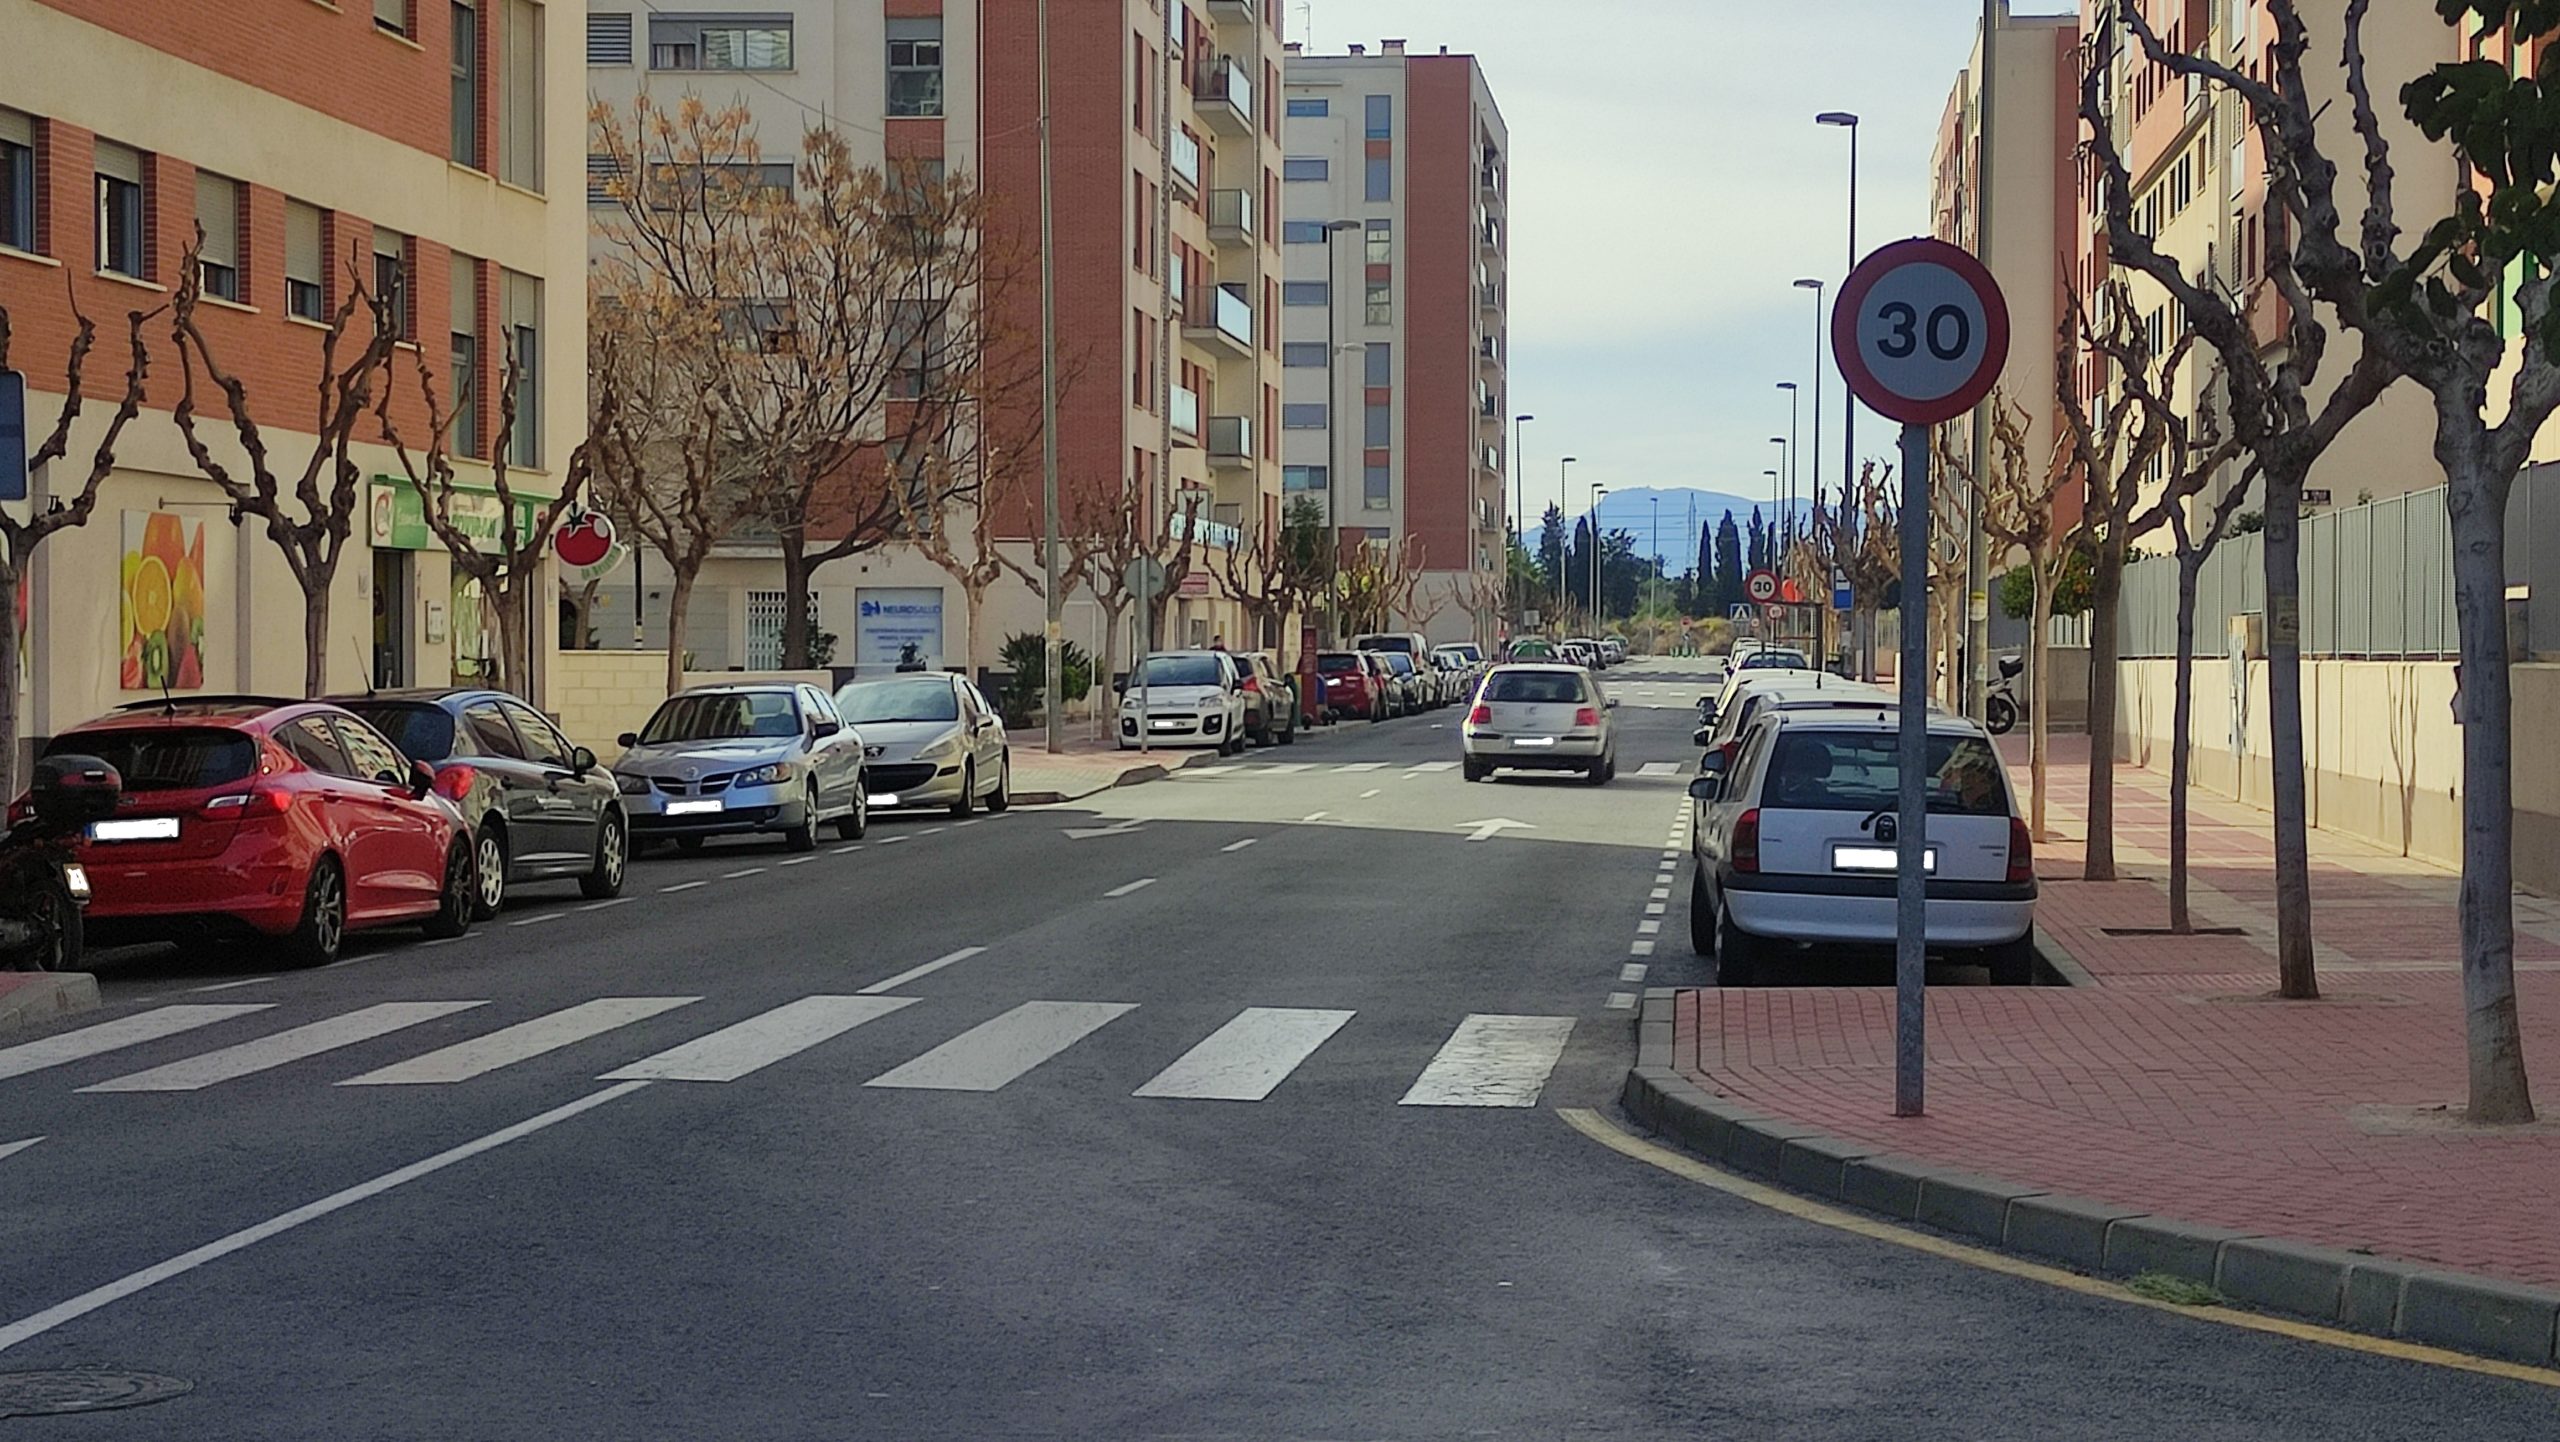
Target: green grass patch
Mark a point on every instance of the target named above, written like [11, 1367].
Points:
[2176, 1291]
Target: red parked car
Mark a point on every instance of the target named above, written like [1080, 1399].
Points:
[245, 817]
[1353, 685]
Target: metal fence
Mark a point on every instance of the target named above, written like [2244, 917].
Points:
[2377, 579]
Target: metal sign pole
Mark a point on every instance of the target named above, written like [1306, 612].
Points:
[1910, 887]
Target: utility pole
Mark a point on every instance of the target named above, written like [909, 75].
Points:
[1051, 690]
[1977, 580]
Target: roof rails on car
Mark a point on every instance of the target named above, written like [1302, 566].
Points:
[195, 699]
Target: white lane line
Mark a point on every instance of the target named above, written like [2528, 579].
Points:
[1319, 816]
[1431, 766]
[522, 1042]
[913, 972]
[1671, 854]
[1285, 768]
[296, 1044]
[124, 1031]
[846, 850]
[185, 1262]
[1659, 768]
[532, 920]
[742, 872]
[1372, 791]
[1662, 893]
[933, 831]
[894, 840]
[1640, 948]
[1633, 971]
[606, 905]
[1622, 1001]
[1653, 908]
[1492, 1061]
[800, 861]
[987, 1056]
[1359, 766]
[682, 886]
[1649, 927]
[1141, 884]
[11, 1149]
[761, 1040]
[1247, 1058]
[230, 985]
[972, 821]
[1240, 845]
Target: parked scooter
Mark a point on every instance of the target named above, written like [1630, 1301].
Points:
[43, 887]
[2002, 706]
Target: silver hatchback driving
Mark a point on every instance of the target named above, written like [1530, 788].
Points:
[1540, 718]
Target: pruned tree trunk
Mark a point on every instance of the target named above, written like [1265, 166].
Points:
[9, 689]
[679, 600]
[795, 598]
[515, 656]
[2106, 591]
[973, 595]
[2182, 710]
[315, 636]
[2297, 979]
[2039, 691]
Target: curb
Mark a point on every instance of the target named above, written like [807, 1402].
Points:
[35, 997]
[2364, 1293]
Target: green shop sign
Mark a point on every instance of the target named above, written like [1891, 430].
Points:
[396, 516]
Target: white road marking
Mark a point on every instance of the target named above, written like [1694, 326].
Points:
[1372, 791]
[11, 1149]
[933, 831]
[761, 1040]
[230, 985]
[124, 1031]
[1284, 768]
[531, 920]
[972, 821]
[1649, 927]
[1245, 1059]
[682, 886]
[1659, 768]
[1640, 948]
[270, 1052]
[1633, 971]
[1318, 816]
[605, 905]
[185, 1262]
[1359, 766]
[1141, 884]
[1671, 854]
[846, 850]
[1653, 908]
[892, 841]
[1489, 829]
[522, 1042]
[1622, 1001]
[800, 861]
[1240, 845]
[913, 972]
[1431, 766]
[987, 1056]
[743, 872]
[1492, 1061]
[1662, 893]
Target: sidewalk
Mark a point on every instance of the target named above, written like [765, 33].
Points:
[2173, 1084]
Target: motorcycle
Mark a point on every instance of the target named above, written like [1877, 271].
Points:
[43, 887]
[2002, 706]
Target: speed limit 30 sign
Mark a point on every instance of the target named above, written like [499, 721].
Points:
[1921, 332]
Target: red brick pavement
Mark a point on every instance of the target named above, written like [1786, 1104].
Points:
[2177, 1083]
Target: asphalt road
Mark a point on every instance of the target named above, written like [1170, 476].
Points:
[1185, 1138]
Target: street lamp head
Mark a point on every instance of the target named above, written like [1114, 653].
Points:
[1811, 283]
[1786, 385]
[1569, 460]
[1338, 225]
[1836, 117]
[1524, 418]
[1777, 440]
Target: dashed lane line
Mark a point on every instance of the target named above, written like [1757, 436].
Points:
[1240, 845]
[1141, 884]
[682, 886]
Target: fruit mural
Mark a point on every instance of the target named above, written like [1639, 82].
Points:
[163, 603]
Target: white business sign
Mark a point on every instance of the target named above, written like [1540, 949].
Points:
[897, 626]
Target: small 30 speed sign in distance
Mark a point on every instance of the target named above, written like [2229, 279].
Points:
[1921, 332]
[1761, 586]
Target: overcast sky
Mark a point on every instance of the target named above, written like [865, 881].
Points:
[1668, 186]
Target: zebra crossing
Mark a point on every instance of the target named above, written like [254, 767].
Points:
[1487, 1059]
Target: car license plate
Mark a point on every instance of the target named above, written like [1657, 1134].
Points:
[1885, 859]
[1164, 725]
[140, 828]
[883, 798]
[692, 808]
[1533, 741]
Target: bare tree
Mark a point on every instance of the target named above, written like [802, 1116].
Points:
[2016, 499]
[19, 539]
[1183, 550]
[2195, 456]
[942, 489]
[1377, 581]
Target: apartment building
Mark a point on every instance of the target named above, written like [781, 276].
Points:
[1165, 134]
[428, 145]
[1395, 339]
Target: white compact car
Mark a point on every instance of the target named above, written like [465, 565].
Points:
[1185, 698]
[1795, 844]
[1540, 718]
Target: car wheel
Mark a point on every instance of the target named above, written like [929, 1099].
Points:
[689, 844]
[1289, 737]
[804, 837]
[967, 805]
[1737, 955]
[604, 881]
[2014, 963]
[315, 939]
[1597, 775]
[854, 826]
[1702, 916]
[1001, 799]
[490, 849]
[1473, 770]
[459, 903]
[1999, 715]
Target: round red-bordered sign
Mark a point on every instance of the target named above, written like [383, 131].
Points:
[1920, 332]
[1761, 586]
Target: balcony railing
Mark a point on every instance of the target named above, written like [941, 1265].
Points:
[1225, 94]
[1489, 296]
[1203, 530]
[1186, 160]
[1223, 315]
[1231, 9]
[1231, 214]
[1231, 440]
[1186, 411]
[1489, 349]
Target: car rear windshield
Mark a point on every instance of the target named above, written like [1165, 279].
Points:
[723, 716]
[1789, 660]
[1337, 663]
[1385, 643]
[1857, 771]
[1547, 688]
[179, 759]
[1180, 671]
[911, 700]
[423, 733]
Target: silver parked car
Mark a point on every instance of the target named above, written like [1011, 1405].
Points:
[1540, 718]
[930, 740]
[743, 759]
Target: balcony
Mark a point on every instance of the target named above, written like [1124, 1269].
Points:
[1489, 355]
[1231, 216]
[1489, 297]
[1231, 443]
[1224, 94]
[1222, 320]
[1186, 162]
[1489, 181]
[1186, 412]
[1489, 238]
[1232, 10]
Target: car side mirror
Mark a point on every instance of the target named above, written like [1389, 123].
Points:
[1702, 736]
[822, 729]
[1714, 763]
[1706, 788]
[1611, 703]
[422, 779]
[581, 761]
[627, 740]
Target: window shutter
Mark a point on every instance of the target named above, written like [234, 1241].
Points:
[119, 162]
[17, 128]
[466, 295]
[520, 79]
[301, 242]
[218, 211]
[393, 14]
[602, 171]
[523, 302]
[609, 39]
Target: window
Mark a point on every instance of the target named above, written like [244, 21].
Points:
[609, 39]
[915, 67]
[1375, 487]
[1142, 85]
[520, 93]
[917, 335]
[1381, 309]
[391, 277]
[17, 180]
[1306, 167]
[520, 322]
[490, 733]
[1305, 292]
[466, 355]
[1309, 109]
[1141, 361]
[1381, 178]
[311, 742]
[1302, 417]
[372, 758]
[1302, 478]
[392, 15]
[302, 295]
[120, 240]
[603, 173]
[1378, 364]
[466, 83]
[1381, 116]
[1381, 238]
[540, 736]
[218, 212]
[1302, 354]
[1377, 426]
[1302, 232]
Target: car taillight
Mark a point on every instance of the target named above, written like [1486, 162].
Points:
[1731, 749]
[453, 783]
[1586, 716]
[256, 801]
[1745, 850]
[1481, 716]
[1253, 684]
[2022, 852]
[20, 810]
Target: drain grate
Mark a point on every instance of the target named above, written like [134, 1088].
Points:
[84, 1389]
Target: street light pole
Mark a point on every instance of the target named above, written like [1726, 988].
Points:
[1051, 702]
[1655, 545]
[1519, 516]
[1332, 435]
[1561, 496]
[1822, 602]
[1977, 571]
[1849, 403]
[1795, 492]
[1599, 605]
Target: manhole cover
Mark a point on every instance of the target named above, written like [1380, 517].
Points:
[84, 1389]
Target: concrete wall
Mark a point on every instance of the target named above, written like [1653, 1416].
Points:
[598, 695]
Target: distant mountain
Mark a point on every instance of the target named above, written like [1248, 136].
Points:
[1682, 512]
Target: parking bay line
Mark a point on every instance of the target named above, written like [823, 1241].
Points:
[800, 861]
[912, 973]
[1240, 845]
[846, 850]
[682, 886]
[744, 872]
[602, 905]
[1141, 884]
[531, 920]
